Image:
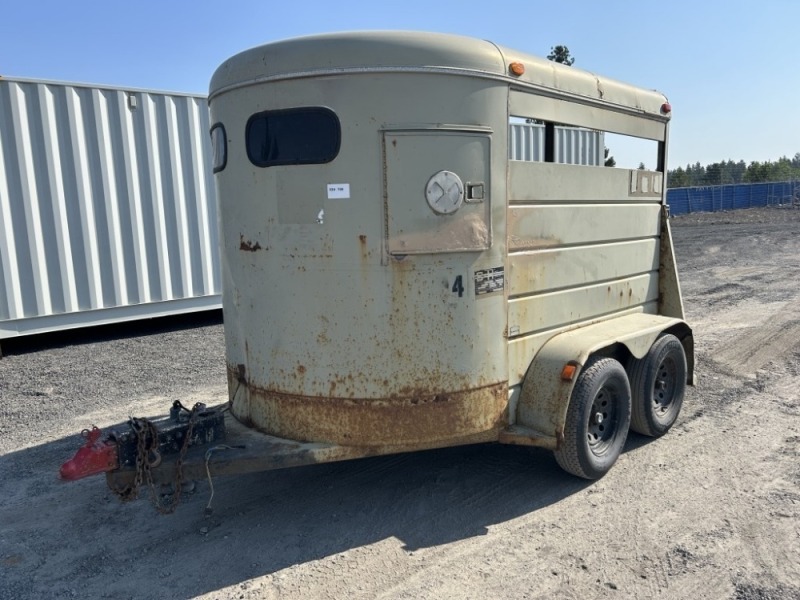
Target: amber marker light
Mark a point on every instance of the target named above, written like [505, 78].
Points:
[568, 372]
[516, 68]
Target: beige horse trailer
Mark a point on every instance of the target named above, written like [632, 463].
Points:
[393, 281]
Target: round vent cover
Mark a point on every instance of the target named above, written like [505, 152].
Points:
[445, 192]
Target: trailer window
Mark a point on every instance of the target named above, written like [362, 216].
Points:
[297, 136]
[535, 140]
[219, 147]
[629, 152]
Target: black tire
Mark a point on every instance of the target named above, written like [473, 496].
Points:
[658, 384]
[598, 419]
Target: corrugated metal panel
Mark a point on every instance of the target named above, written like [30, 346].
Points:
[107, 206]
[573, 145]
[526, 142]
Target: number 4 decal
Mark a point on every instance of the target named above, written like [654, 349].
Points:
[458, 286]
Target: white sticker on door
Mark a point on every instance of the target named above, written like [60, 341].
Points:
[338, 190]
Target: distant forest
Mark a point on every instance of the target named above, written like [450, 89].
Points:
[722, 173]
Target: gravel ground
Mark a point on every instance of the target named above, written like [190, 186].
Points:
[712, 510]
[53, 379]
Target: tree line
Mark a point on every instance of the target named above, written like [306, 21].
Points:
[726, 172]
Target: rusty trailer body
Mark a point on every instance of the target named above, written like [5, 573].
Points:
[394, 281]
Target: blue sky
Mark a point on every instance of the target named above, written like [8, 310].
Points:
[730, 69]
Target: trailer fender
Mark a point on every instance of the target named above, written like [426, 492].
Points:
[551, 377]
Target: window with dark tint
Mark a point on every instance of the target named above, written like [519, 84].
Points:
[219, 147]
[298, 136]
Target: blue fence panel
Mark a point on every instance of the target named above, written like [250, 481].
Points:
[731, 197]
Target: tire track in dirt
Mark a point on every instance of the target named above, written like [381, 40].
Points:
[777, 335]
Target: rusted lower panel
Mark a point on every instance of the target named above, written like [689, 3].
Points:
[416, 419]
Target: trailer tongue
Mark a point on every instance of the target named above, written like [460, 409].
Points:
[187, 446]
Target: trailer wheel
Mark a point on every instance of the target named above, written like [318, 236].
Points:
[658, 384]
[598, 418]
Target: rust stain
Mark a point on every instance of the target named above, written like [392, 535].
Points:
[413, 417]
[385, 182]
[362, 245]
[467, 233]
[301, 369]
[559, 437]
[247, 245]
[300, 254]
[521, 243]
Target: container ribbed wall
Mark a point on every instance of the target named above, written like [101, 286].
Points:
[573, 145]
[107, 206]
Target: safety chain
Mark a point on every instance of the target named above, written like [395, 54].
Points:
[147, 446]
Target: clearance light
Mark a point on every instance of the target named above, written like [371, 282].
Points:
[516, 68]
[666, 108]
[568, 372]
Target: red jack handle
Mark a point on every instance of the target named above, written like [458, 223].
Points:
[94, 457]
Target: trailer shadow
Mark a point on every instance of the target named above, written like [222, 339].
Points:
[67, 538]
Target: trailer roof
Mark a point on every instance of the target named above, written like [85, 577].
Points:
[386, 51]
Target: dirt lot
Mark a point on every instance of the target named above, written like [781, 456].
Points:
[712, 510]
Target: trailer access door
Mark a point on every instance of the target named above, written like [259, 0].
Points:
[451, 167]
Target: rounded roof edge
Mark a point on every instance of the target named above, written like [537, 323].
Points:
[376, 50]
[353, 50]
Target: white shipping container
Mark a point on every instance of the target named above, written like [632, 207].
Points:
[107, 206]
[573, 145]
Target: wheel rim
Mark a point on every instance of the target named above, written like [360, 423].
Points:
[603, 420]
[664, 387]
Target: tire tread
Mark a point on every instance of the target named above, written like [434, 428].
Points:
[568, 453]
[639, 373]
